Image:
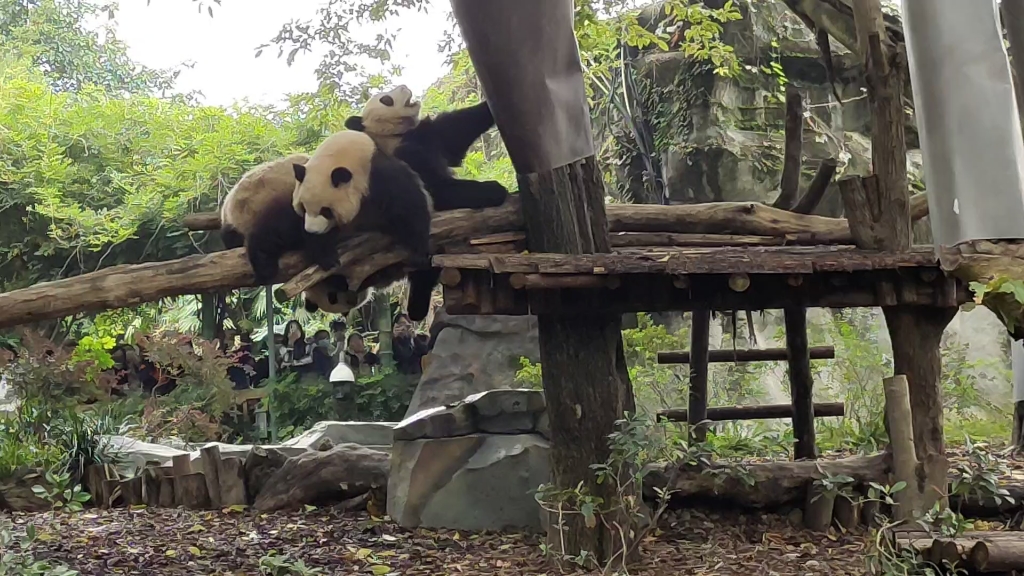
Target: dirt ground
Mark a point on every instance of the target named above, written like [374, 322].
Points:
[185, 542]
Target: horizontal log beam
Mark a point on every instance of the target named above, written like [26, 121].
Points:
[726, 260]
[736, 218]
[762, 412]
[483, 292]
[750, 355]
[782, 483]
[131, 285]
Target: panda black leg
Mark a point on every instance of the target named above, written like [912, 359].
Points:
[453, 194]
[457, 130]
[421, 288]
[231, 237]
[264, 267]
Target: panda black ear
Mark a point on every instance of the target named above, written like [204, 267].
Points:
[340, 176]
[300, 172]
[355, 123]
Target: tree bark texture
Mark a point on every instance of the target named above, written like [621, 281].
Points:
[700, 337]
[583, 382]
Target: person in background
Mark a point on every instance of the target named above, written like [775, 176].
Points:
[323, 362]
[406, 346]
[296, 349]
[338, 328]
[358, 358]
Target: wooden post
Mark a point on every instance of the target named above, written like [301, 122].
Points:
[1013, 22]
[564, 213]
[901, 443]
[697, 407]
[801, 383]
[878, 210]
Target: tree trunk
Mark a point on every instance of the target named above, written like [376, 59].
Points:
[801, 383]
[583, 382]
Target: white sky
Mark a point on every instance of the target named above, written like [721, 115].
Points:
[169, 32]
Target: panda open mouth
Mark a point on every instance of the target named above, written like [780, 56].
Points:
[411, 102]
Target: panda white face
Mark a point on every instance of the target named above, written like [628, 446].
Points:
[391, 113]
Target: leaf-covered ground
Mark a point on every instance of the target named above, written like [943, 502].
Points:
[184, 542]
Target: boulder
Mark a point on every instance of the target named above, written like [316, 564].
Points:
[473, 354]
[345, 471]
[508, 411]
[373, 434]
[475, 482]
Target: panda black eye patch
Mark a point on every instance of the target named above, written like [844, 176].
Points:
[340, 176]
[387, 100]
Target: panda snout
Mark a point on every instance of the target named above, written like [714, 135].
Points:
[316, 224]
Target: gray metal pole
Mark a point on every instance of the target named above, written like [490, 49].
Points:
[271, 359]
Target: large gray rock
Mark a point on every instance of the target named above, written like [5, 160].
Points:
[476, 482]
[506, 411]
[373, 434]
[474, 354]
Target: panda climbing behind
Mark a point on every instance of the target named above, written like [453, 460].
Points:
[257, 213]
[349, 186]
[431, 146]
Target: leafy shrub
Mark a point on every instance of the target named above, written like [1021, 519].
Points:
[48, 375]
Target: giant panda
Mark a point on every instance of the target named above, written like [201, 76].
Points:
[349, 186]
[257, 213]
[431, 146]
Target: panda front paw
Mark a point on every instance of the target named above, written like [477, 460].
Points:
[494, 192]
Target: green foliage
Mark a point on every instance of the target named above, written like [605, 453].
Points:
[529, 375]
[297, 403]
[274, 564]
[53, 34]
[61, 493]
[16, 557]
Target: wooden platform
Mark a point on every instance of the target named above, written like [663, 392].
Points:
[687, 278]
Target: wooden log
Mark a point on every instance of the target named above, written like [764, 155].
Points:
[792, 159]
[181, 464]
[700, 334]
[151, 487]
[773, 484]
[739, 218]
[363, 255]
[879, 213]
[261, 464]
[726, 260]
[231, 482]
[166, 495]
[998, 556]
[639, 239]
[338, 474]
[899, 422]
[746, 355]
[564, 212]
[201, 221]
[818, 186]
[561, 281]
[846, 513]
[210, 457]
[92, 480]
[190, 491]
[450, 277]
[801, 383]
[818, 508]
[111, 493]
[132, 491]
[761, 412]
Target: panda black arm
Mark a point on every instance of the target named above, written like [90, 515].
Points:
[449, 193]
[322, 249]
[452, 133]
[398, 202]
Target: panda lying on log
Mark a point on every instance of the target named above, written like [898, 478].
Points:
[431, 147]
[357, 185]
